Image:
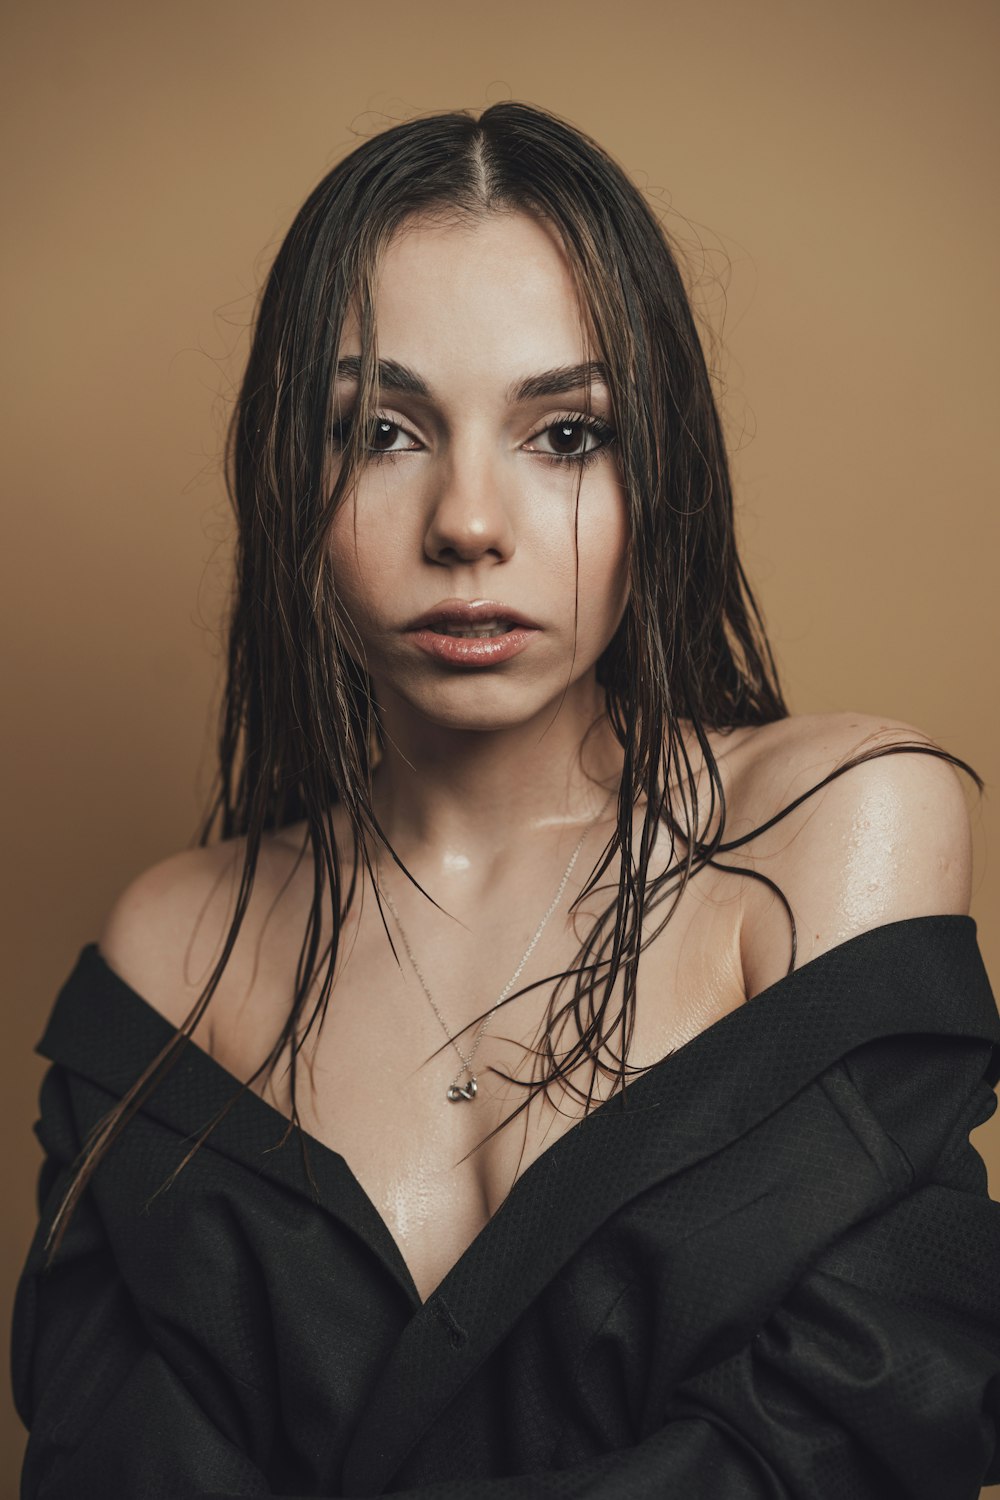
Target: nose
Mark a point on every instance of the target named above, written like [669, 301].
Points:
[470, 516]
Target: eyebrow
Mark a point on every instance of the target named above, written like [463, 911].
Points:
[392, 376]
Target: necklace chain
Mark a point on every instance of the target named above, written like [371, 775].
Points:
[466, 1092]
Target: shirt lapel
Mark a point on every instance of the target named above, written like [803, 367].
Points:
[918, 975]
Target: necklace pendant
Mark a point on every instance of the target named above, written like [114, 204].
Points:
[457, 1092]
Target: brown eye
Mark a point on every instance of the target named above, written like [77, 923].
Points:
[383, 435]
[573, 440]
[384, 439]
[567, 437]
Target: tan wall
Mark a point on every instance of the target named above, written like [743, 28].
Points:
[841, 155]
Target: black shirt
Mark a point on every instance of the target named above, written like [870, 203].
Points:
[770, 1268]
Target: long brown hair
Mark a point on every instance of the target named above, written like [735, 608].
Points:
[300, 730]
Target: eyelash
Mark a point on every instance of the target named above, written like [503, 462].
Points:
[595, 425]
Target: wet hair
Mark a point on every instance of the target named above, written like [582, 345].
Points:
[300, 731]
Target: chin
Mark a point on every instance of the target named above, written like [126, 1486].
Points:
[481, 702]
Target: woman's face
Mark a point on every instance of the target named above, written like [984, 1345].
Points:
[469, 494]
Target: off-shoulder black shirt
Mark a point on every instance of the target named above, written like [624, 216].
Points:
[769, 1270]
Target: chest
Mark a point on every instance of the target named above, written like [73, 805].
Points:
[375, 1082]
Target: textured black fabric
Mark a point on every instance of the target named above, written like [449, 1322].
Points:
[769, 1269]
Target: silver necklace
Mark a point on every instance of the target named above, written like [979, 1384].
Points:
[459, 1092]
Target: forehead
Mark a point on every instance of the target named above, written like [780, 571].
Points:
[495, 291]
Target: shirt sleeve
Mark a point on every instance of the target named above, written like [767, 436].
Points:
[106, 1413]
[877, 1376]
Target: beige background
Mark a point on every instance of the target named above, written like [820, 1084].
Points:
[834, 162]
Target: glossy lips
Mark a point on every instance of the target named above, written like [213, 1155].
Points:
[471, 651]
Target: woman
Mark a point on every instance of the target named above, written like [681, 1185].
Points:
[500, 1209]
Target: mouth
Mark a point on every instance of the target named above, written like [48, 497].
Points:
[472, 632]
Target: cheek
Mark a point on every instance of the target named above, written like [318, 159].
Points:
[346, 557]
[361, 560]
[603, 544]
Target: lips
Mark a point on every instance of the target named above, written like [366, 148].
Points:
[469, 633]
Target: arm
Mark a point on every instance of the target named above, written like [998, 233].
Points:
[106, 1411]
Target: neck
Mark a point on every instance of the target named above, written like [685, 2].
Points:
[462, 799]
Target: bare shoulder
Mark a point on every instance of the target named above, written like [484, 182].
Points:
[886, 838]
[166, 929]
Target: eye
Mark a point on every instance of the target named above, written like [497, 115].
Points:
[383, 439]
[385, 435]
[574, 439]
